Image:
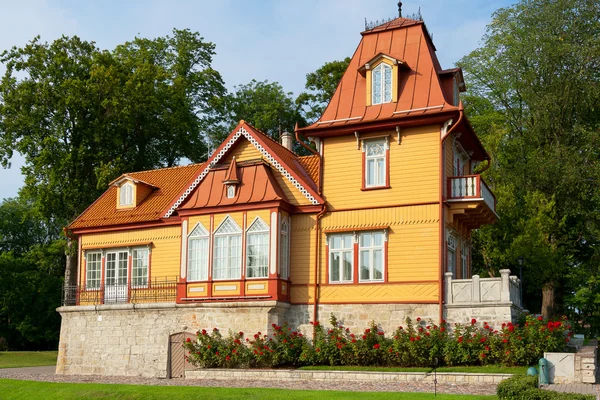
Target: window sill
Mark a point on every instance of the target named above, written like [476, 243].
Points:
[364, 189]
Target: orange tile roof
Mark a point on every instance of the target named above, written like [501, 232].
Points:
[257, 184]
[169, 182]
[311, 165]
[420, 91]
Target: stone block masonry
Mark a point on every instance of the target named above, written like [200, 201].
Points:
[133, 340]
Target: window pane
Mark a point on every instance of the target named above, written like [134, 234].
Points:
[378, 239]
[334, 269]
[364, 265]
[347, 241]
[376, 85]
[347, 266]
[123, 256]
[370, 172]
[380, 171]
[378, 264]
[336, 242]
[257, 255]
[387, 83]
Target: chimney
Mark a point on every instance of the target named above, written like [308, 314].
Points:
[287, 140]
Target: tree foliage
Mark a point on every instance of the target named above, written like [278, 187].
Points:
[81, 116]
[536, 104]
[265, 105]
[320, 86]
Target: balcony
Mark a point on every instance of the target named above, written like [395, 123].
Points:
[158, 291]
[471, 201]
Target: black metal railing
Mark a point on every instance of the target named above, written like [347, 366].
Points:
[157, 291]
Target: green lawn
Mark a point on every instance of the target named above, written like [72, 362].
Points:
[24, 390]
[16, 359]
[487, 369]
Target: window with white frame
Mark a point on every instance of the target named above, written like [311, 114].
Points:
[375, 162]
[227, 251]
[341, 258]
[139, 267]
[257, 250]
[371, 256]
[230, 191]
[197, 263]
[452, 254]
[381, 89]
[93, 274]
[284, 248]
[464, 259]
[126, 195]
[116, 268]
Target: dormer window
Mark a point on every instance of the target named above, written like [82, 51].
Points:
[230, 191]
[126, 195]
[381, 76]
[382, 84]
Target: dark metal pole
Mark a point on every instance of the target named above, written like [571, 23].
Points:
[520, 260]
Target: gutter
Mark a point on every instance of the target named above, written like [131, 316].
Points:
[441, 215]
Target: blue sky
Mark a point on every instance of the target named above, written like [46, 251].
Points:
[278, 40]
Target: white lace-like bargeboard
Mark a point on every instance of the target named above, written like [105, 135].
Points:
[223, 151]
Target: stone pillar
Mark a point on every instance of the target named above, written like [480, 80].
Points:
[448, 287]
[476, 289]
[505, 285]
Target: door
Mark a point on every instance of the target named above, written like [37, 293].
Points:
[178, 362]
[115, 287]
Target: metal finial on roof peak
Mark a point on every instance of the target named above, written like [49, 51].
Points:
[400, 9]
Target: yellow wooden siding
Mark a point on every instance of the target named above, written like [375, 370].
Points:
[413, 255]
[203, 219]
[243, 150]
[292, 194]
[225, 288]
[165, 250]
[197, 290]
[414, 170]
[302, 249]
[257, 287]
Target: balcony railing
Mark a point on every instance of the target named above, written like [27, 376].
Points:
[470, 187]
[474, 291]
[158, 291]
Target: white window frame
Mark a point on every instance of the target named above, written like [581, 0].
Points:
[126, 194]
[371, 251]
[93, 270]
[140, 266]
[464, 258]
[451, 250]
[231, 242]
[377, 161]
[230, 191]
[198, 254]
[257, 252]
[341, 252]
[284, 248]
[381, 92]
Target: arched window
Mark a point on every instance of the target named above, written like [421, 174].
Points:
[227, 251]
[284, 248]
[257, 250]
[197, 262]
[381, 84]
[126, 195]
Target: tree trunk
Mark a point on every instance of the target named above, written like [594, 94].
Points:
[70, 272]
[548, 300]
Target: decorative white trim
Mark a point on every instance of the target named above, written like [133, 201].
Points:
[219, 288]
[184, 240]
[197, 289]
[273, 244]
[256, 286]
[220, 155]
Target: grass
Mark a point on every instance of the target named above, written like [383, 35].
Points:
[25, 390]
[18, 359]
[486, 369]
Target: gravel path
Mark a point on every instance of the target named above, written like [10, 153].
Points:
[46, 374]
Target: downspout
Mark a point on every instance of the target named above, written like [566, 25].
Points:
[441, 203]
[316, 277]
[304, 144]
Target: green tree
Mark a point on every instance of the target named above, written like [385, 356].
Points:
[31, 268]
[320, 86]
[534, 92]
[265, 105]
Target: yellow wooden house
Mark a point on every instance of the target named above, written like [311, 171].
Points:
[374, 225]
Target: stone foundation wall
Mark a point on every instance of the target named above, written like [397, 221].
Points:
[358, 317]
[127, 340]
[494, 314]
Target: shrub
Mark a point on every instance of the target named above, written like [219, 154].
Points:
[417, 345]
[525, 388]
